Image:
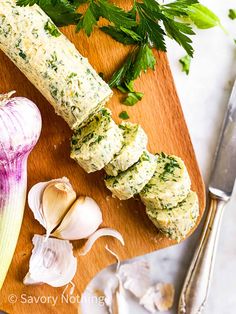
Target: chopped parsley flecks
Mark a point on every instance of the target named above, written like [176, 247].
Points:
[52, 29]
[124, 115]
[185, 62]
[232, 14]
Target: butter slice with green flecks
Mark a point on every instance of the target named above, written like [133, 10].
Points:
[176, 222]
[135, 142]
[130, 182]
[94, 145]
[169, 185]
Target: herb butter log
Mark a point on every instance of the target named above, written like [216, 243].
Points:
[169, 185]
[94, 145]
[176, 222]
[135, 142]
[130, 182]
[51, 62]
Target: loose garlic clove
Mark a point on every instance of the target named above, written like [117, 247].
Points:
[57, 199]
[35, 198]
[82, 220]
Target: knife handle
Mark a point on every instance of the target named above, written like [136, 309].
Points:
[196, 286]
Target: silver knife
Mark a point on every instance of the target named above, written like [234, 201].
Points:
[197, 283]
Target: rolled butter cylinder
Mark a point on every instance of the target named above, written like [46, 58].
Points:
[51, 62]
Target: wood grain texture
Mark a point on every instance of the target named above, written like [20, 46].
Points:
[160, 115]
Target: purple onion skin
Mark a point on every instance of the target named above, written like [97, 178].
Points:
[20, 127]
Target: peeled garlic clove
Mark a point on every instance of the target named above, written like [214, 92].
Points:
[35, 197]
[98, 234]
[52, 262]
[83, 219]
[57, 199]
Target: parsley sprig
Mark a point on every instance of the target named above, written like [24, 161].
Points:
[145, 27]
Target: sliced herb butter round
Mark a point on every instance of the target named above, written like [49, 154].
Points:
[94, 145]
[169, 185]
[132, 181]
[135, 142]
[176, 222]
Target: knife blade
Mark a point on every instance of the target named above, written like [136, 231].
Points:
[224, 167]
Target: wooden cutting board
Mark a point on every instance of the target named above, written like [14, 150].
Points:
[160, 115]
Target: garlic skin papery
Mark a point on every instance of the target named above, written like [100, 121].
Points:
[50, 201]
[135, 277]
[52, 262]
[103, 232]
[83, 219]
[159, 297]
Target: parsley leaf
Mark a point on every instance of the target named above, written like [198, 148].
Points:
[62, 12]
[143, 61]
[133, 98]
[232, 14]
[116, 15]
[123, 35]
[124, 115]
[202, 17]
[149, 27]
[89, 19]
[177, 8]
[178, 31]
[119, 76]
[138, 61]
[185, 62]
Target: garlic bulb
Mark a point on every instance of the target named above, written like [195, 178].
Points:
[52, 262]
[82, 220]
[49, 201]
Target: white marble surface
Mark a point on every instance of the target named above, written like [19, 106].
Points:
[204, 94]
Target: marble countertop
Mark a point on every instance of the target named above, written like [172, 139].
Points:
[204, 94]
